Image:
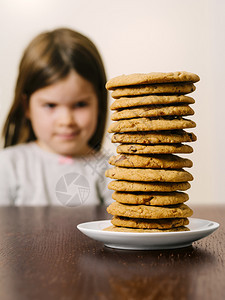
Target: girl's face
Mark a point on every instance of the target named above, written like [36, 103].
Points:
[64, 115]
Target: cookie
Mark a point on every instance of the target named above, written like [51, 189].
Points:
[157, 199]
[152, 111]
[161, 88]
[154, 149]
[147, 124]
[149, 223]
[138, 230]
[150, 78]
[149, 212]
[135, 186]
[148, 174]
[126, 102]
[154, 137]
[165, 161]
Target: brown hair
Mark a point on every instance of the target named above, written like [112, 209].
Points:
[48, 58]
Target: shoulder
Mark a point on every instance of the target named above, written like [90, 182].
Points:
[100, 155]
[97, 161]
[16, 153]
[12, 161]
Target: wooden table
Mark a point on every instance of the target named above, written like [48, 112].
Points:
[44, 256]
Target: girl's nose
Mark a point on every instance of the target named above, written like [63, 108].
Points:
[66, 117]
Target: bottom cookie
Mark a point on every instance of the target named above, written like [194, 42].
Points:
[149, 224]
[137, 230]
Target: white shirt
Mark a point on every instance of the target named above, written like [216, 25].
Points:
[31, 176]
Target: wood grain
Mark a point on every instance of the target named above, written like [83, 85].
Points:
[44, 256]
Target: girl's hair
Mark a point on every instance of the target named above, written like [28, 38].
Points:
[48, 58]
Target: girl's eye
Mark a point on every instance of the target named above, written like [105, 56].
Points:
[81, 104]
[49, 105]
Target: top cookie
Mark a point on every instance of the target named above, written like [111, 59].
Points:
[151, 78]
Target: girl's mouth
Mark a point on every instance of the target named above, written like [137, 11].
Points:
[68, 136]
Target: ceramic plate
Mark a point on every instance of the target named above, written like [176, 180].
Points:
[148, 241]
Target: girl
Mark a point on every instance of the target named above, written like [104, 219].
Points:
[54, 130]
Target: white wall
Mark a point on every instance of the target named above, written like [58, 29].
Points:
[139, 36]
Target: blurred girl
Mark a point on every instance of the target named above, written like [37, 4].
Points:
[54, 130]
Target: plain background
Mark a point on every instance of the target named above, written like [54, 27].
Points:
[139, 36]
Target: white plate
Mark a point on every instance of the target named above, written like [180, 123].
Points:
[148, 241]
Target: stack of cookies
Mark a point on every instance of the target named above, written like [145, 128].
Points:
[150, 127]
